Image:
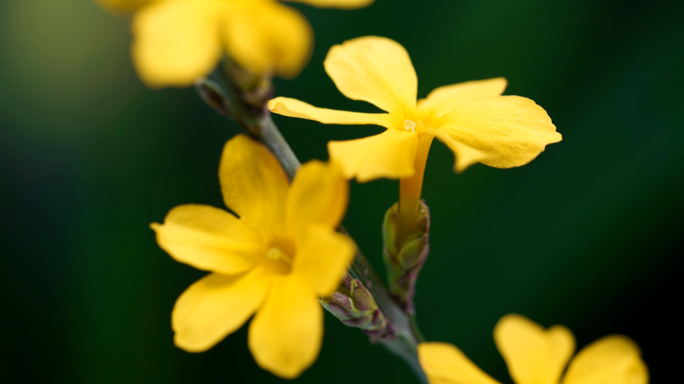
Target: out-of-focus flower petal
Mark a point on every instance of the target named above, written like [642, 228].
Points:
[445, 364]
[534, 355]
[613, 359]
[266, 37]
[176, 42]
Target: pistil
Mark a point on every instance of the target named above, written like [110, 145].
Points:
[410, 125]
[277, 254]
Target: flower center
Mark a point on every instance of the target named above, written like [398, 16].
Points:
[277, 254]
[410, 125]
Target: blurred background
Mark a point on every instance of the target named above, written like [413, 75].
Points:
[587, 235]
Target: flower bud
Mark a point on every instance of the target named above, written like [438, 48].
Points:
[355, 306]
[405, 252]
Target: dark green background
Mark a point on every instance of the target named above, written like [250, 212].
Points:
[587, 235]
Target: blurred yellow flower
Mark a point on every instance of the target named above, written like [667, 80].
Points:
[535, 355]
[275, 260]
[178, 41]
[473, 119]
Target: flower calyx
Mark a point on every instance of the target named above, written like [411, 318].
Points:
[405, 250]
[355, 306]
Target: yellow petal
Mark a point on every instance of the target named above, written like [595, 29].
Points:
[254, 185]
[285, 335]
[465, 155]
[342, 4]
[176, 42]
[319, 195]
[122, 7]
[390, 154]
[207, 238]
[322, 258]
[445, 364]
[510, 130]
[295, 108]
[214, 307]
[613, 359]
[266, 37]
[374, 69]
[534, 355]
[444, 99]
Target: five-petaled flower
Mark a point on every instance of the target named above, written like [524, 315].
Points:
[179, 41]
[473, 119]
[535, 355]
[275, 260]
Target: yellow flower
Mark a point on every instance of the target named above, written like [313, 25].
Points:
[535, 355]
[275, 260]
[179, 41]
[473, 119]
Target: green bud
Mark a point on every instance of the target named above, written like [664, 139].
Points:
[363, 298]
[355, 306]
[390, 228]
[412, 253]
[405, 252]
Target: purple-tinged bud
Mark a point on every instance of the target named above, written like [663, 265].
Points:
[362, 322]
[381, 329]
[336, 310]
[363, 298]
[347, 281]
[355, 306]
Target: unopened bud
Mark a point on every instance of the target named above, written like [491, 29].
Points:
[355, 306]
[405, 252]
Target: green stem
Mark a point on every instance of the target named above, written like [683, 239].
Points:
[269, 134]
[413, 323]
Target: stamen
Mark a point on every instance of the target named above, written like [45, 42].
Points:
[275, 253]
[410, 125]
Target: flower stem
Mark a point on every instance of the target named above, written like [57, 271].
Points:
[408, 335]
[257, 121]
[414, 328]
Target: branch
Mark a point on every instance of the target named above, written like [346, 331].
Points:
[246, 102]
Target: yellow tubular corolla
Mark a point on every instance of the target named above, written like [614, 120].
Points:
[472, 119]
